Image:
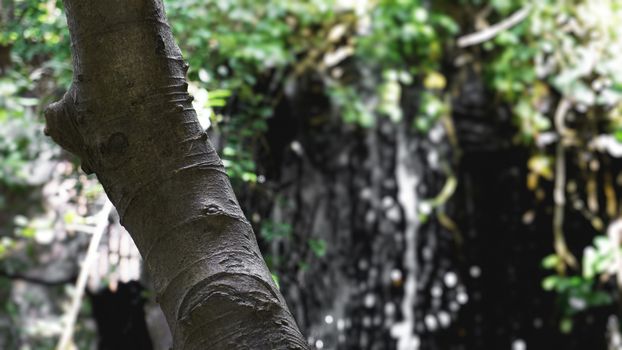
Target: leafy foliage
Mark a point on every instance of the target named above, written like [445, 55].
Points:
[580, 292]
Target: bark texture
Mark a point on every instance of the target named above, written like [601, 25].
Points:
[129, 118]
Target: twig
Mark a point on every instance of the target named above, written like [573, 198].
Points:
[81, 228]
[91, 254]
[614, 232]
[445, 194]
[494, 30]
[559, 193]
[36, 280]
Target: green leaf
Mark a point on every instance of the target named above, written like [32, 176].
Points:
[275, 278]
[550, 282]
[550, 262]
[219, 93]
[599, 298]
[589, 262]
[318, 246]
[565, 325]
[216, 103]
[70, 217]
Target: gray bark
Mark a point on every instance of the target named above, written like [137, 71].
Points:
[129, 118]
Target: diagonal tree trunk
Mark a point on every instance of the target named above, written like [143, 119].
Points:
[129, 118]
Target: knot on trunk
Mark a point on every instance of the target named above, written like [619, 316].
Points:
[61, 124]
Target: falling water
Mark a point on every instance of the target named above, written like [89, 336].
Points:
[407, 181]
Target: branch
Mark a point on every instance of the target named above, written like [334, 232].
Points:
[36, 280]
[62, 121]
[559, 193]
[91, 254]
[494, 30]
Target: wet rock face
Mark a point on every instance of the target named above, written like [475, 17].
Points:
[477, 284]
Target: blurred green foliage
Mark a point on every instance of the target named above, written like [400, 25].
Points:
[236, 46]
[580, 292]
[566, 50]
[35, 46]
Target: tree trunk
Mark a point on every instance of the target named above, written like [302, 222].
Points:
[129, 118]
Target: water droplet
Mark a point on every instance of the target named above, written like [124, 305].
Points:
[462, 298]
[328, 319]
[519, 344]
[444, 319]
[389, 309]
[396, 275]
[366, 193]
[475, 271]
[453, 306]
[431, 322]
[394, 214]
[425, 208]
[370, 300]
[436, 291]
[387, 202]
[451, 279]
[296, 147]
[427, 253]
[537, 323]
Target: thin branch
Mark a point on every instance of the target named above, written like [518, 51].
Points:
[36, 280]
[494, 30]
[81, 228]
[91, 254]
[559, 193]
